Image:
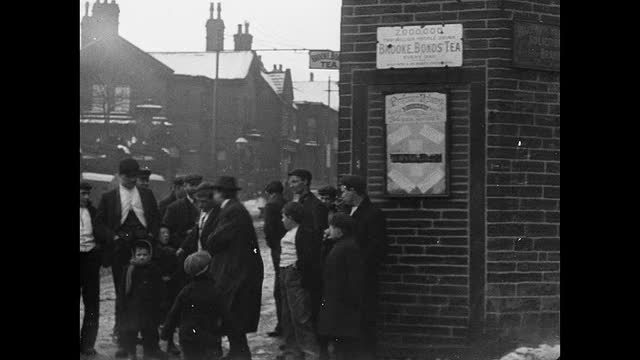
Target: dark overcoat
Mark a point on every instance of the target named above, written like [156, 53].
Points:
[181, 216]
[236, 266]
[198, 311]
[371, 236]
[164, 203]
[342, 293]
[142, 306]
[308, 252]
[273, 227]
[108, 221]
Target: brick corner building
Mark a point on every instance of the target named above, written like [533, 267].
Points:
[481, 262]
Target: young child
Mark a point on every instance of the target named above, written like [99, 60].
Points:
[171, 276]
[340, 317]
[198, 309]
[143, 291]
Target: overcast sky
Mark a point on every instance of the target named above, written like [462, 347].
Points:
[179, 25]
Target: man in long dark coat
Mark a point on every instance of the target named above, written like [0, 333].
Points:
[273, 232]
[177, 193]
[316, 221]
[371, 235]
[236, 265]
[125, 214]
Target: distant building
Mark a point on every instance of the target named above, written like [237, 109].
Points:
[317, 112]
[123, 98]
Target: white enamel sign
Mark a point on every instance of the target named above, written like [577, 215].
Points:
[419, 46]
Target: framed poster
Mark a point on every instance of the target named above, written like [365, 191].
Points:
[417, 142]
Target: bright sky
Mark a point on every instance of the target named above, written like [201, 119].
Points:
[179, 25]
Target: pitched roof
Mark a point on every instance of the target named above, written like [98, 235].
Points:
[233, 64]
[110, 41]
[316, 91]
[277, 79]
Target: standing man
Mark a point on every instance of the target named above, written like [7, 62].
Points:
[143, 178]
[371, 235]
[90, 260]
[316, 217]
[177, 192]
[181, 216]
[273, 232]
[126, 214]
[236, 266]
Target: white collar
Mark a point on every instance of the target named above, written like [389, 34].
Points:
[224, 203]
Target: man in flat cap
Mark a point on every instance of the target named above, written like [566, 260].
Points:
[177, 193]
[90, 260]
[181, 215]
[371, 235]
[315, 221]
[143, 178]
[126, 214]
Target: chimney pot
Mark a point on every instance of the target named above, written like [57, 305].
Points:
[246, 27]
[310, 76]
[275, 68]
[280, 67]
[239, 28]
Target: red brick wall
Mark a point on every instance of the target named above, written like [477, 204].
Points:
[425, 279]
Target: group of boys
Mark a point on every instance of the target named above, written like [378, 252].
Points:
[325, 253]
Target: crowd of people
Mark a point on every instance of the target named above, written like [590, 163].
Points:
[190, 264]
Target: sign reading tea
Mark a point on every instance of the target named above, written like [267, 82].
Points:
[419, 46]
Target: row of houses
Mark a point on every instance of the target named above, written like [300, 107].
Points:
[218, 111]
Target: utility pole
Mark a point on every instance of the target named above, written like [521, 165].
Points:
[214, 142]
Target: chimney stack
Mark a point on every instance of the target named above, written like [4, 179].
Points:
[215, 31]
[242, 41]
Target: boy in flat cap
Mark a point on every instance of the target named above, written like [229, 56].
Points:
[371, 235]
[142, 293]
[198, 310]
[125, 214]
[340, 318]
[170, 269]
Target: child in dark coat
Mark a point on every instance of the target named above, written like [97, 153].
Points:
[199, 311]
[143, 291]
[340, 318]
[171, 276]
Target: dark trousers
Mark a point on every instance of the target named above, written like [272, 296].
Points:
[369, 336]
[348, 348]
[90, 293]
[196, 351]
[275, 258]
[117, 271]
[150, 340]
[239, 347]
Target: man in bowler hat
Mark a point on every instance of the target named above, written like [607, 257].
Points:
[236, 266]
[143, 178]
[126, 214]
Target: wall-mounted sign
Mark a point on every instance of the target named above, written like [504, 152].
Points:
[419, 46]
[536, 46]
[416, 144]
[324, 59]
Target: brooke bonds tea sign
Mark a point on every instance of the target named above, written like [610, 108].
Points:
[416, 143]
[419, 46]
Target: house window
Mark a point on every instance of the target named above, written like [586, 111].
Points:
[98, 97]
[312, 132]
[122, 99]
